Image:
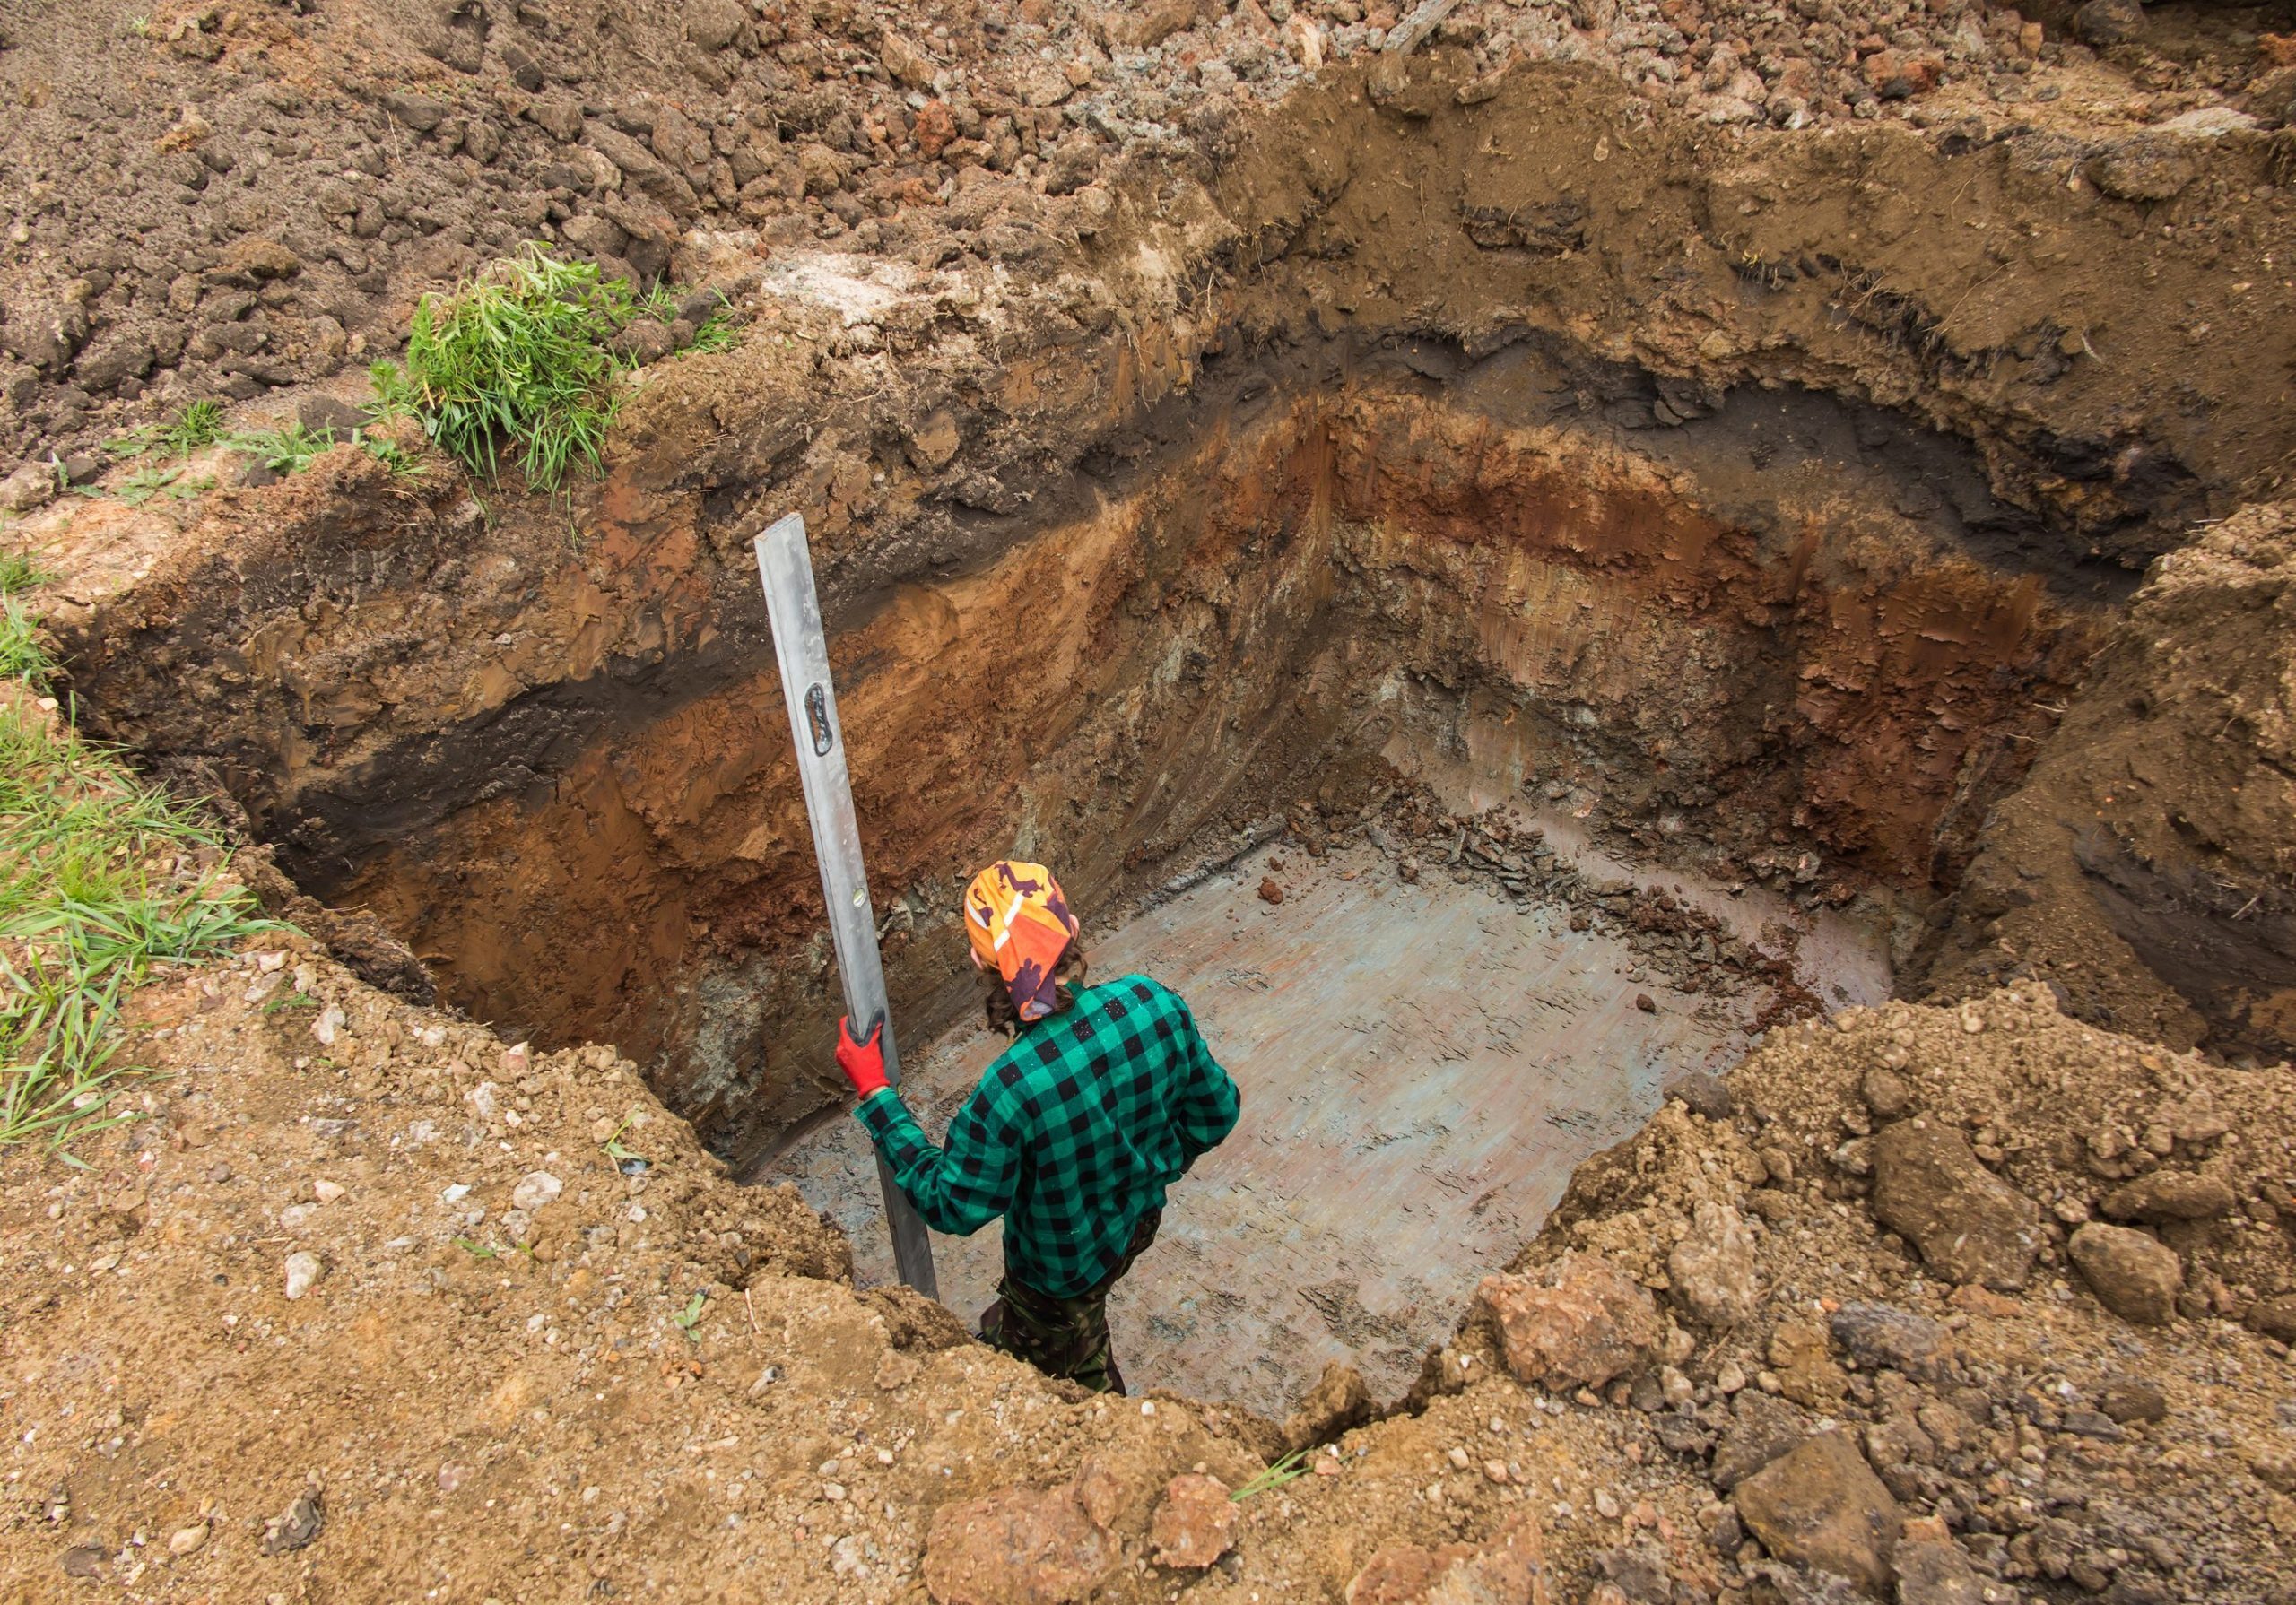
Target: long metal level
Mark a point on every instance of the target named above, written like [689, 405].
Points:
[801, 648]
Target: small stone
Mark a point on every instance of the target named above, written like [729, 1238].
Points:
[2167, 1195]
[1017, 1546]
[296, 1526]
[1579, 1322]
[834, 1492]
[2131, 1275]
[1711, 1270]
[1269, 892]
[1968, 1223]
[30, 487]
[2276, 1471]
[304, 1270]
[1511, 1566]
[535, 1190]
[1457, 1457]
[1821, 1507]
[187, 1540]
[1729, 1377]
[2149, 170]
[1805, 1368]
[2102, 22]
[1761, 1428]
[2275, 1317]
[934, 444]
[1936, 1573]
[327, 1192]
[1194, 1524]
[1886, 1093]
[1879, 1335]
[1899, 75]
[2130, 1402]
[1646, 1002]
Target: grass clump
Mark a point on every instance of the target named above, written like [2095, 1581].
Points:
[197, 426]
[101, 877]
[146, 484]
[517, 356]
[285, 450]
[290, 448]
[19, 573]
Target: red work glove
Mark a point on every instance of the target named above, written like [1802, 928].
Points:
[862, 1062]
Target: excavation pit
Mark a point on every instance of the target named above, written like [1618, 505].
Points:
[1343, 609]
[1422, 1063]
[1788, 644]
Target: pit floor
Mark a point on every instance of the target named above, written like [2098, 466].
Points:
[1422, 1068]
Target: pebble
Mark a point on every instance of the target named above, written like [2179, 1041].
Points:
[304, 1270]
[833, 1491]
[535, 1190]
[1457, 1457]
[326, 1192]
[1729, 1377]
[185, 1540]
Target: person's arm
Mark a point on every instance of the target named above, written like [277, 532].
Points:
[957, 1189]
[1208, 1104]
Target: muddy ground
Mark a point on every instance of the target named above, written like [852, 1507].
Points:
[1835, 446]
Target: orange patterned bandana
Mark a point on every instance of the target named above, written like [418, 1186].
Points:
[1020, 925]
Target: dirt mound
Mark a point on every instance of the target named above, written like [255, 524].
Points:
[2146, 867]
[294, 174]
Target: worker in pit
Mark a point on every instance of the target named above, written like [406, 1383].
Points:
[1104, 1098]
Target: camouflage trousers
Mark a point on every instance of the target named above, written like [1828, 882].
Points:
[1065, 1337]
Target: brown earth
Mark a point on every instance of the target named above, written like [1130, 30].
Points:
[1780, 497]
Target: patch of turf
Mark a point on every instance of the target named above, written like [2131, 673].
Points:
[101, 876]
[514, 360]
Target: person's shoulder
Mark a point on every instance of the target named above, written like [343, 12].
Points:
[1138, 995]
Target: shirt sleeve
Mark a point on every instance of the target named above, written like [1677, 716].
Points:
[1208, 1103]
[957, 1189]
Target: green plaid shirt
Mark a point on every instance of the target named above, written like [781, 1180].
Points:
[1072, 1134]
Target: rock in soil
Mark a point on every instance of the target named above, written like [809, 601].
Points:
[1712, 1268]
[1761, 1428]
[1821, 1507]
[1969, 1224]
[2135, 1277]
[2166, 1196]
[1577, 1323]
[1017, 1546]
[295, 1527]
[1937, 1573]
[1876, 1335]
[1195, 1522]
[1511, 1567]
[1339, 1399]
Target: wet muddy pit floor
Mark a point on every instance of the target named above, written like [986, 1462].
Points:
[1422, 1064]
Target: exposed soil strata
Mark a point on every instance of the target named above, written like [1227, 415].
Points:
[1494, 434]
[621, 854]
